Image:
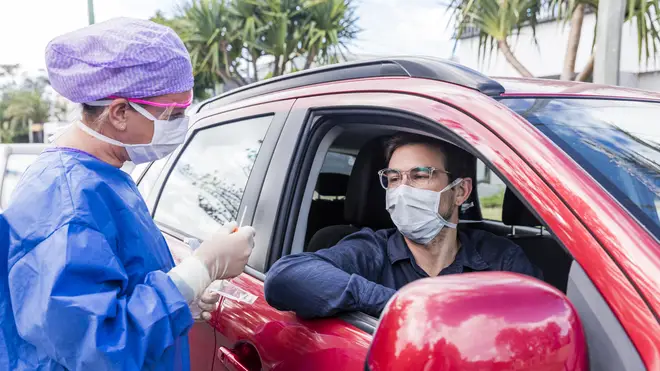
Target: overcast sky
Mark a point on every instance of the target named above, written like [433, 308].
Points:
[392, 27]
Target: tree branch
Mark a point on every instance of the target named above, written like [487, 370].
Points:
[508, 54]
[588, 69]
[573, 43]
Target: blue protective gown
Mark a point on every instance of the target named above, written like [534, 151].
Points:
[82, 273]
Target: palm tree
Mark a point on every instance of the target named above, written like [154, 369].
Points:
[251, 29]
[643, 12]
[497, 20]
[20, 109]
[213, 39]
[284, 20]
[21, 105]
[210, 34]
[226, 36]
[330, 25]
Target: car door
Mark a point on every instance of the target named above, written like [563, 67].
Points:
[217, 176]
[207, 182]
[485, 143]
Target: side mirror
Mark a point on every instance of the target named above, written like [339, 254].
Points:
[478, 321]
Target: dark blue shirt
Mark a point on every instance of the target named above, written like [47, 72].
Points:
[365, 269]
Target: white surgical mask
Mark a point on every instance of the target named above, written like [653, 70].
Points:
[414, 211]
[168, 135]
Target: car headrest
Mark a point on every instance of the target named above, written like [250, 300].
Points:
[365, 198]
[332, 184]
[471, 210]
[514, 212]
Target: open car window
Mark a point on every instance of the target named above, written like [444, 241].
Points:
[490, 189]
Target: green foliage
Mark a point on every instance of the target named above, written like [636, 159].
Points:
[497, 20]
[21, 105]
[492, 201]
[227, 38]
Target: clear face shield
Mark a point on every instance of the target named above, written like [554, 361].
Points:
[160, 111]
[154, 111]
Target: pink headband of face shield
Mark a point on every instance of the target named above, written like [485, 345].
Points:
[156, 104]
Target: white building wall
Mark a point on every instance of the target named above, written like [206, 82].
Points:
[547, 58]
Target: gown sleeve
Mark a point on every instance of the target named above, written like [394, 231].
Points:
[69, 300]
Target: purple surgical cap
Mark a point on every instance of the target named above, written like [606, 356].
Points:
[123, 57]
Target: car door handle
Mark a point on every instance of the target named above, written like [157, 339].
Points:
[229, 360]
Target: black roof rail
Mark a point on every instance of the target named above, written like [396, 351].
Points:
[419, 67]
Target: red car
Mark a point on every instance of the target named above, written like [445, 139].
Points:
[570, 172]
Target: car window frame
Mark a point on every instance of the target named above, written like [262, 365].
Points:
[304, 116]
[476, 183]
[304, 121]
[208, 119]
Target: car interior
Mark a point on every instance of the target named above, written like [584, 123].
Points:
[345, 202]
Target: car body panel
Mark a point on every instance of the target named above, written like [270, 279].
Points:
[282, 341]
[619, 256]
[643, 254]
[544, 334]
[545, 87]
[542, 158]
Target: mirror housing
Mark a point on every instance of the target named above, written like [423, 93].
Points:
[479, 321]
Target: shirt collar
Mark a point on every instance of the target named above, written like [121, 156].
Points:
[467, 256]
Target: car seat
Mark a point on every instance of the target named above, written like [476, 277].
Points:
[325, 212]
[365, 198]
[541, 249]
[364, 205]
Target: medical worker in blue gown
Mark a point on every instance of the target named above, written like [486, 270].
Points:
[87, 281]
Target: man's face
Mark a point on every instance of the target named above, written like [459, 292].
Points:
[409, 159]
[418, 156]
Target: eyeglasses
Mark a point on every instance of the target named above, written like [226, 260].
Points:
[417, 177]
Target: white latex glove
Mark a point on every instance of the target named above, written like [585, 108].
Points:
[222, 256]
[208, 303]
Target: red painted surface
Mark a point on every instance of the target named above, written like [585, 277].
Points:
[467, 323]
[536, 167]
[543, 87]
[619, 256]
[285, 342]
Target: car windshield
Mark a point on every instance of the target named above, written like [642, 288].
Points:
[617, 142]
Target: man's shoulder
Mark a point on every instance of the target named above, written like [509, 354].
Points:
[372, 237]
[366, 241]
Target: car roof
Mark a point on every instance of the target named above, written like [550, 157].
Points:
[413, 67]
[427, 68]
[540, 87]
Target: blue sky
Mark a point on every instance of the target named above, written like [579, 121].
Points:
[390, 27]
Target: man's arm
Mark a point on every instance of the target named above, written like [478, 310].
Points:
[341, 278]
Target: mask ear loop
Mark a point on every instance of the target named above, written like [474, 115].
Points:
[449, 186]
